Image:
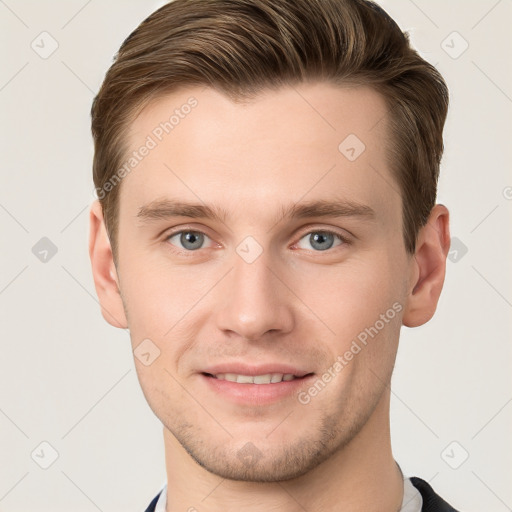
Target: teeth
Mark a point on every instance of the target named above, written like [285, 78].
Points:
[256, 379]
[263, 379]
[244, 379]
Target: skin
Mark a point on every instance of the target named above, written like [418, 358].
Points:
[294, 304]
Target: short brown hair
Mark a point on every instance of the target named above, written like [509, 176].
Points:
[241, 47]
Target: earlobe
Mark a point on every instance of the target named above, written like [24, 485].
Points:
[106, 280]
[428, 267]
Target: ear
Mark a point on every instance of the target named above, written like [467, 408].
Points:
[428, 267]
[104, 271]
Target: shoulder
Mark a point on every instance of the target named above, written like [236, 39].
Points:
[431, 501]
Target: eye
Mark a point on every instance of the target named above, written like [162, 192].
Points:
[188, 239]
[321, 240]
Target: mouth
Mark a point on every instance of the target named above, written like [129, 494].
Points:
[255, 387]
[267, 378]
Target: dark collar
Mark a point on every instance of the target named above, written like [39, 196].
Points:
[431, 501]
[152, 505]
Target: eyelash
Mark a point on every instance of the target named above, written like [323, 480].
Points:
[344, 240]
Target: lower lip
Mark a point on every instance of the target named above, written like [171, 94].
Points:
[256, 394]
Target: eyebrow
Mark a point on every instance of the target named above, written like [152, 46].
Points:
[162, 209]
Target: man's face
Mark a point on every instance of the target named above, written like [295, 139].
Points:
[262, 291]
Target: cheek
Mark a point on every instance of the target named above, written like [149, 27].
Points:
[361, 303]
[162, 391]
[351, 296]
[154, 292]
[362, 308]
[167, 304]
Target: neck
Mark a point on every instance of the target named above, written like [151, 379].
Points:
[362, 476]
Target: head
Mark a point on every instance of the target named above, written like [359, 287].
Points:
[266, 174]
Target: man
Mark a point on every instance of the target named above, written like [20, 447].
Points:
[266, 173]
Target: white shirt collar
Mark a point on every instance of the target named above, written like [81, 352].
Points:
[162, 500]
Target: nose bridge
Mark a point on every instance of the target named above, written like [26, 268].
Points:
[256, 301]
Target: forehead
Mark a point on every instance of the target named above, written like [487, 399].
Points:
[309, 141]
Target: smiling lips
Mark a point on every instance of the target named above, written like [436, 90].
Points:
[233, 381]
[267, 378]
[242, 373]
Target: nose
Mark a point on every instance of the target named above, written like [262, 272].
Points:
[256, 302]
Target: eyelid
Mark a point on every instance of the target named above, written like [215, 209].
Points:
[345, 234]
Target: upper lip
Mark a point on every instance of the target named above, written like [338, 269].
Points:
[251, 370]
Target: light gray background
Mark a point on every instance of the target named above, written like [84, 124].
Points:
[68, 378]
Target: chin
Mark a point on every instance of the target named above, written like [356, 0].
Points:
[262, 460]
[270, 468]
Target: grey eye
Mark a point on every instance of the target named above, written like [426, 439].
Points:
[189, 240]
[320, 240]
